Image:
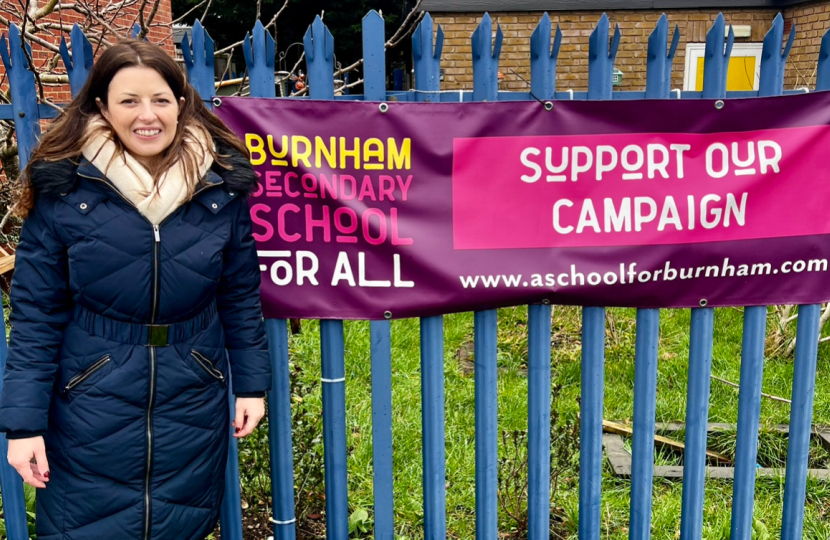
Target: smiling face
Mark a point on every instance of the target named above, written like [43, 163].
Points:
[143, 112]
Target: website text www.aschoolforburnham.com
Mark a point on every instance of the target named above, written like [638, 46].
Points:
[629, 273]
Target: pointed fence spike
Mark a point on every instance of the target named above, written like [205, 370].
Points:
[259, 59]
[439, 43]
[557, 43]
[486, 60]
[23, 93]
[198, 57]
[601, 59]
[658, 61]
[374, 57]
[319, 40]
[823, 68]
[543, 59]
[716, 62]
[247, 52]
[427, 59]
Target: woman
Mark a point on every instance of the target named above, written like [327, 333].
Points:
[136, 292]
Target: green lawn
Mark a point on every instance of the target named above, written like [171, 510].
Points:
[512, 358]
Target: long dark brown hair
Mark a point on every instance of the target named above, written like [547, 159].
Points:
[68, 134]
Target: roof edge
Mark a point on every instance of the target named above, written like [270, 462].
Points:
[478, 6]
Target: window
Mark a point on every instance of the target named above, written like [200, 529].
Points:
[744, 67]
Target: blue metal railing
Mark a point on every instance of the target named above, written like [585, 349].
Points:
[427, 47]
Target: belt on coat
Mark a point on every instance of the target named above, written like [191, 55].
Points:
[150, 335]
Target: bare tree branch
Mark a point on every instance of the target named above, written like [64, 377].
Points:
[145, 28]
[191, 10]
[207, 9]
[33, 38]
[405, 30]
[45, 10]
[271, 23]
[28, 56]
[395, 39]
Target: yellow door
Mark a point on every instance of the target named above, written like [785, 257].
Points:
[740, 76]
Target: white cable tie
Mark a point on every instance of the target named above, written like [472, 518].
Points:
[341, 379]
[278, 522]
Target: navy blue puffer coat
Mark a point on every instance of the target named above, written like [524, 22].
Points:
[123, 337]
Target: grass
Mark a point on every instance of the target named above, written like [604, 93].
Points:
[512, 402]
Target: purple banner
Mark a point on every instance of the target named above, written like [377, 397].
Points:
[432, 208]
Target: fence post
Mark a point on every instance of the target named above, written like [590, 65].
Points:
[27, 127]
[590, 422]
[319, 57]
[486, 88]
[600, 70]
[427, 63]
[697, 418]
[749, 414]
[801, 420]
[645, 403]
[79, 64]
[432, 420]
[334, 429]
[199, 62]
[427, 60]
[538, 421]
[259, 63]
[319, 51]
[543, 59]
[374, 89]
[658, 85]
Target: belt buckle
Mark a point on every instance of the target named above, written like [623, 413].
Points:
[157, 335]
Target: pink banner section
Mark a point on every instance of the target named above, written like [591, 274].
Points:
[639, 189]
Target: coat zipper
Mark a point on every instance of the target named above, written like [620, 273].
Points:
[149, 443]
[152, 397]
[207, 365]
[85, 374]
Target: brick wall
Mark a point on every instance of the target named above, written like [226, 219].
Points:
[160, 33]
[636, 25]
[811, 20]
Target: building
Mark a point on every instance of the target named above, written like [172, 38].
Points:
[751, 19]
[120, 16]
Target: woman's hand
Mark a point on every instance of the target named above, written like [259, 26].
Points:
[21, 455]
[249, 411]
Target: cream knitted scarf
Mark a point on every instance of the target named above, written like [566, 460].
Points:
[135, 182]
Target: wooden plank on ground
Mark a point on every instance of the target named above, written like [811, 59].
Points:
[6, 263]
[622, 429]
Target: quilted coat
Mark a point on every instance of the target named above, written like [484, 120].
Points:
[123, 338]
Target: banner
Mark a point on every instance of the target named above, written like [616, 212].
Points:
[414, 209]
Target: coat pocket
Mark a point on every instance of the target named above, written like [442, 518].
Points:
[84, 375]
[207, 366]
